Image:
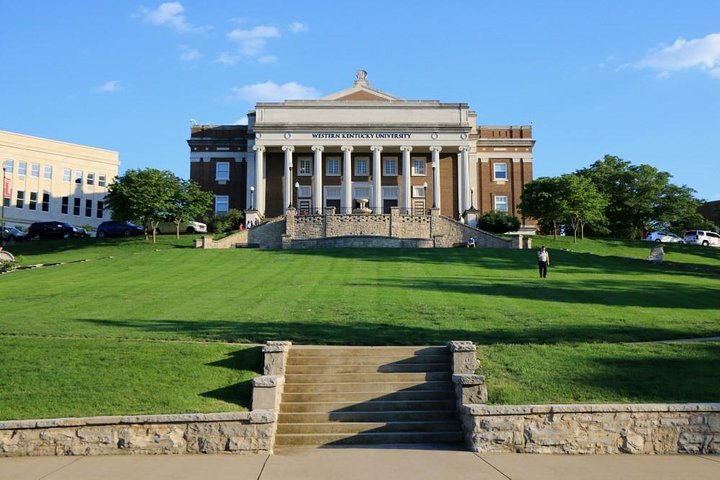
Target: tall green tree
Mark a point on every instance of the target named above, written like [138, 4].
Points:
[143, 196]
[189, 202]
[543, 200]
[584, 204]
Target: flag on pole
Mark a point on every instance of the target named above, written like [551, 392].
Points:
[7, 189]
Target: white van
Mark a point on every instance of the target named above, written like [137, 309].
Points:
[185, 227]
[702, 237]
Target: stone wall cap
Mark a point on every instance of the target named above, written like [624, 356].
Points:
[268, 381]
[489, 410]
[252, 417]
[461, 346]
[468, 379]
[276, 346]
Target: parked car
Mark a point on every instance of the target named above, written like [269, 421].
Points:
[118, 229]
[12, 233]
[55, 230]
[187, 227]
[664, 237]
[702, 237]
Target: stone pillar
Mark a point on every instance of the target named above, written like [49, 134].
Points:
[377, 207]
[288, 185]
[347, 205]
[436, 175]
[464, 359]
[463, 157]
[318, 179]
[407, 179]
[276, 354]
[260, 179]
[267, 391]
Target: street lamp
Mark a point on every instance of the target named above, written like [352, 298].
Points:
[297, 192]
[424, 194]
[433, 185]
[252, 197]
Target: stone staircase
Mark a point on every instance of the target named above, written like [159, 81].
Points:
[368, 395]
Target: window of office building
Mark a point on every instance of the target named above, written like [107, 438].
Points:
[48, 172]
[67, 175]
[64, 206]
[501, 203]
[9, 165]
[22, 168]
[35, 170]
[333, 166]
[20, 199]
[76, 206]
[361, 166]
[102, 181]
[32, 205]
[88, 208]
[222, 171]
[46, 202]
[90, 178]
[418, 166]
[100, 209]
[390, 166]
[78, 176]
[500, 171]
[304, 166]
[221, 203]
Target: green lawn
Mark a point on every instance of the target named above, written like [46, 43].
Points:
[136, 296]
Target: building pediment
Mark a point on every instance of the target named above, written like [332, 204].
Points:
[361, 91]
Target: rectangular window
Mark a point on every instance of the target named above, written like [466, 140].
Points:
[35, 170]
[501, 203]
[90, 178]
[332, 193]
[361, 166]
[22, 168]
[418, 191]
[221, 204]
[304, 166]
[333, 167]
[78, 176]
[222, 171]
[102, 181]
[390, 193]
[46, 202]
[67, 175]
[76, 206]
[100, 209]
[361, 192]
[9, 165]
[500, 171]
[304, 191]
[48, 172]
[20, 199]
[65, 205]
[390, 166]
[88, 208]
[33, 201]
[418, 166]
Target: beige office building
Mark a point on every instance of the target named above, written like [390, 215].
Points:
[50, 180]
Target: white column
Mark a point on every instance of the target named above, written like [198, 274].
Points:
[465, 178]
[347, 204]
[407, 179]
[318, 179]
[287, 190]
[377, 177]
[260, 179]
[436, 175]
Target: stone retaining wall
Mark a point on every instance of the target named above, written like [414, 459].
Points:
[235, 432]
[593, 429]
[362, 242]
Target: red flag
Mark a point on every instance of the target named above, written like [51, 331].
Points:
[7, 189]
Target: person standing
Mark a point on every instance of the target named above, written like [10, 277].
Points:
[543, 261]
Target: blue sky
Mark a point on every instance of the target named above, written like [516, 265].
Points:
[638, 79]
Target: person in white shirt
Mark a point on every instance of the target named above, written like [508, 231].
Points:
[543, 261]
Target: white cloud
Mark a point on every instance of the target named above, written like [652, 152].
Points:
[699, 53]
[188, 54]
[272, 92]
[297, 27]
[109, 87]
[242, 121]
[267, 59]
[252, 41]
[227, 58]
[170, 14]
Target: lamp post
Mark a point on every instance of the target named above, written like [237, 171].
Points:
[424, 195]
[252, 197]
[433, 185]
[297, 192]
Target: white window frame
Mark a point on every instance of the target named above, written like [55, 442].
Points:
[415, 171]
[418, 191]
[362, 161]
[67, 175]
[102, 180]
[304, 191]
[498, 201]
[35, 170]
[330, 192]
[502, 170]
[9, 165]
[390, 193]
[220, 200]
[79, 176]
[304, 166]
[47, 173]
[90, 178]
[330, 161]
[362, 191]
[388, 161]
[22, 168]
[222, 171]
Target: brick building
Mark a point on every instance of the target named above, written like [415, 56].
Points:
[362, 148]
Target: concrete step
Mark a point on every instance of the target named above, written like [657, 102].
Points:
[367, 377]
[366, 359]
[385, 387]
[374, 427]
[311, 396]
[334, 351]
[383, 416]
[397, 438]
[369, 406]
[386, 368]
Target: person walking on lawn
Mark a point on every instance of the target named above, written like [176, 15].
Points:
[543, 261]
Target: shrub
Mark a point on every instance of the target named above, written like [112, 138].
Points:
[498, 222]
[227, 222]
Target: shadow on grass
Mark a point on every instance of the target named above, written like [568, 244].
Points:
[238, 393]
[379, 333]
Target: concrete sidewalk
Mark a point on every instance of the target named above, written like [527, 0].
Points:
[363, 463]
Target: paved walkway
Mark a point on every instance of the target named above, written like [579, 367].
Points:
[363, 463]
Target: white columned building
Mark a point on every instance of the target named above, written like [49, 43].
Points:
[377, 204]
[287, 191]
[259, 178]
[347, 204]
[407, 179]
[317, 198]
[436, 188]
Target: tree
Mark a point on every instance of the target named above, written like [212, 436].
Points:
[498, 222]
[143, 196]
[188, 202]
[543, 200]
[583, 202]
